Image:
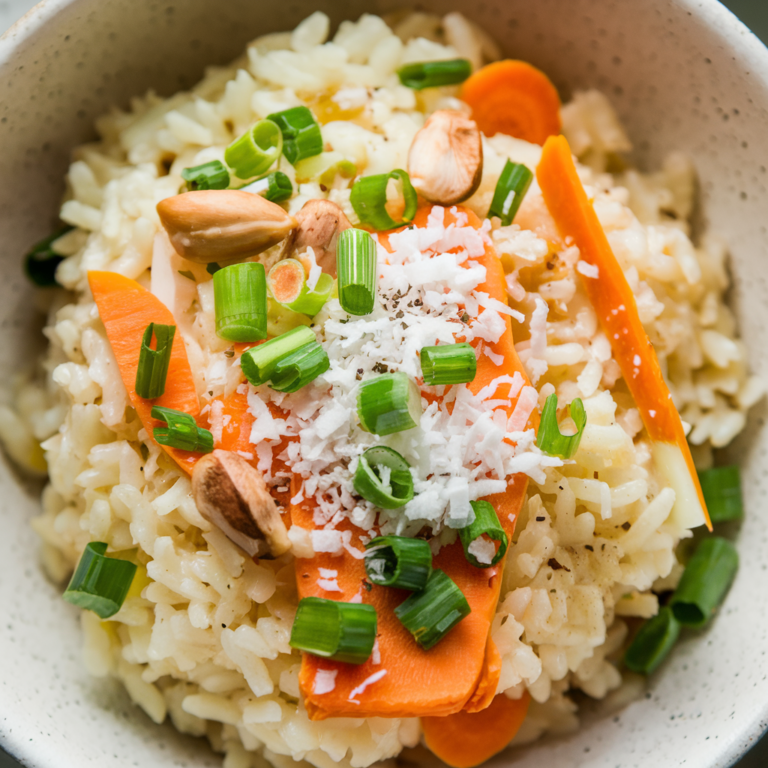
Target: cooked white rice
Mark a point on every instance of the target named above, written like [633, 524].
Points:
[203, 635]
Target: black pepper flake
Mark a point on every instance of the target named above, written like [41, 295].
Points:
[380, 368]
[596, 475]
[359, 374]
[589, 547]
[465, 318]
[368, 586]
[304, 575]
[229, 352]
[323, 188]
[626, 526]
[550, 265]
[417, 303]
[223, 626]
[555, 566]
[540, 519]
[400, 314]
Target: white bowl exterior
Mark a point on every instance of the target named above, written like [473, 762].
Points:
[683, 75]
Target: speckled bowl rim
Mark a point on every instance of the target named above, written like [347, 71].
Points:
[745, 48]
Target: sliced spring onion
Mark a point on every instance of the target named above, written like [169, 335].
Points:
[397, 561]
[433, 74]
[212, 175]
[181, 431]
[301, 133]
[389, 403]
[430, 614]
[153, 363]
[653, 642]
[324, 168]
[100, 583]
[372, 206]
[486, 523]
[41, 262]
[275, 186]
[705, 581]
[448, 364]
[383, 477]
[256, 150]
[299, 368]
[721, 487]
[334, 630]
[258, 363]
[356, 271]
[510, 191]
[549, 437]
[287, 284]
[240, 300]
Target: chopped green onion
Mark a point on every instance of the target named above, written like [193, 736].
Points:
[100, 583]
[181, 432]
[287, 284]
[549, 437]
[258, 363]
[324, 168]
[356, 271]
[433, 74]
[334, 630]
[653, 642]
[705, 581]
[41, 262]
[389, 403]
[721, 487]
[448, 364]
[212, 175]
[256, 150]
[369, 199]
[240, 300]
[383, 477]
[486, 523]
[298, 369]
[212, 268]
[153, 363]
[397, 561]
[510, 191]
[275, 186]
[429, 615]
[301, 133]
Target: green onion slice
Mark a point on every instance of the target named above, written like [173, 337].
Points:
[334, 630]
[721, 487]
[510, 190]
[258, 363]
[41, 262]
[256, 150]
[549, 437]
[301, 133]
[299, 368]
[705, 581]
[275, 186]
[324, 168]
[653, 642]
[448, 364]
[389, 403]
[378, 464]
[433, 74]
[287, 285]
[486, 523]
[100, 583]
[240, 301]
[429, 615]
[397, 561]
[356, 271]
[153, 363]
[372, 206]
[212, 175]
[181, 431]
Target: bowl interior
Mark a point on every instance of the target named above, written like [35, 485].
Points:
[683, 74]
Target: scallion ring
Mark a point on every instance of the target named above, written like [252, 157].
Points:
[479, 551]
[299, 368]
[448, 364]
[510, 190]
[373, 206]
[181, 431]
[256, 150]
[301, 133]
[721, 487]
[240, 300]
[324, 168]
[153, 363]
[258, 363]
[398, 562]
[383, 477]
[653, 642]
[275, 187]
[433, 74]
[389, 403]
[356, 271]
[287, 284]
[211, 175]
[41, 262]
[550, 439]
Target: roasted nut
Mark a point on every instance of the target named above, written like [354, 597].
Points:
[232, 495]
[445, 161]
[318, 225]
[222, 225]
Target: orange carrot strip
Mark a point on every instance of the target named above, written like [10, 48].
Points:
[488, 682]
[615, 305]
[514, 98]
[126, 309]
[467, 739]
[417, 682]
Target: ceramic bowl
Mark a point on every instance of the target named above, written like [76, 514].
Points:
[682, 73]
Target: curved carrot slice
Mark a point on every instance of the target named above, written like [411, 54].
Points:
[467, 739]
[417, 682]
[126, 309]
[488, 682]
[514, 98]
[615, 305]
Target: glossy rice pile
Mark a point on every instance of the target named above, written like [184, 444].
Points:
[203, 637]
